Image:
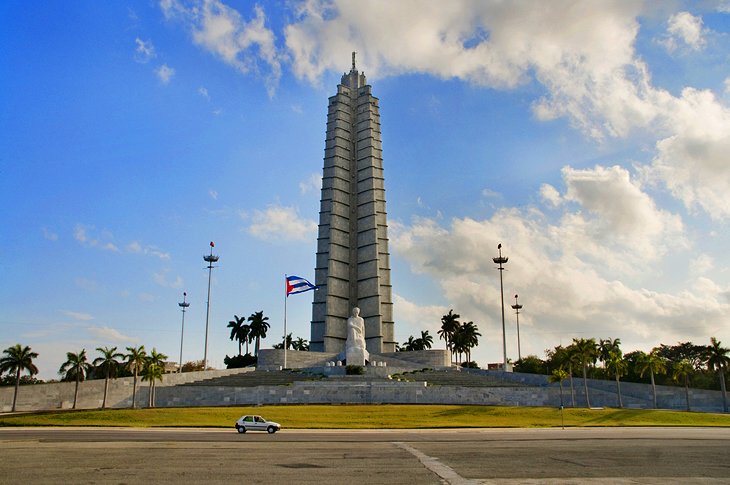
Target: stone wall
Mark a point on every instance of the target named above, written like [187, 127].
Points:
[60, 395]
[173, 391]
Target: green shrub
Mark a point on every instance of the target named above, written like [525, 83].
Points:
[354, 370]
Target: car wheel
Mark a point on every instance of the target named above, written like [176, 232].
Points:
[241, 429]
[271, 429]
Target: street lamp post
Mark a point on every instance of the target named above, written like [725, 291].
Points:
[517, 307]
[184, 305]
[210, 259]
[502, 260]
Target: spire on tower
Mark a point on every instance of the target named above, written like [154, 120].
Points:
[353, 60]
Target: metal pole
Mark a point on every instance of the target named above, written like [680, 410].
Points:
[210, 260]
[517, 307]
[285, 299]
[183, 305]
[502, 260]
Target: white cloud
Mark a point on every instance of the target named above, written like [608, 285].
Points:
[549, 194]
[203, 92]
[137, 248]
[49, 235]
[313, 183]
[147, 297]
[213, 194]
[84, 317]
[87, 237]
[111, 335]
[86, 283]
[685, 29]
[249, 46]
[282, 224]
[490, 194]
[161, 279]
[144, 52]
[692, 162]
[165, 73]
[727, 85]
[416, 317]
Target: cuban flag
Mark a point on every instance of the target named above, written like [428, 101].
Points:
[297, 284]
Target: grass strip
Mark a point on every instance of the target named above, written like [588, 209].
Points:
[386, 416]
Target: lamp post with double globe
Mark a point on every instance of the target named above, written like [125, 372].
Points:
[183, 306]
[501, 260]
[210, 259]
[517, 307]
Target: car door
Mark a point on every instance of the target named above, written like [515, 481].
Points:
[248, 422]
[259, 423]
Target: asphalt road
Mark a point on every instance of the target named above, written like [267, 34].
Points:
[509, 456]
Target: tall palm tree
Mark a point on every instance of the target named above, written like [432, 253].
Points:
[300, 344]
[135, 362]
[154, 369]
[426, 339]
[18, 359]
[109, 364]
[471, 337]
[605, 346]
[76, 367]
[618, 365]
[655, 364]
[259, 326]
[239, 331]
[681, 372]
[410, 344]
[718, 360]
[449, 326]
[586, 352]
[559, 375]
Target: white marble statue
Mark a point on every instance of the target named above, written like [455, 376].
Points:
[355, 352]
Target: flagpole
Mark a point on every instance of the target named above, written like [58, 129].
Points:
[285, 299]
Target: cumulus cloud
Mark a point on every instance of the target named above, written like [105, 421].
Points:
[144, 52]
[279, 223]
[88, 237]
[586, 266]
[165, 73]
[684, 29]
[49, 235]
[112, 335]
[84, 317]
[137, 248]
[692, 162]
[313, 183]
[161, 279]
[249, 46]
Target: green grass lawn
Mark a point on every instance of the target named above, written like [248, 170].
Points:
[369, 417]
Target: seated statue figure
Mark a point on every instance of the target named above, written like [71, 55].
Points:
[355, 352]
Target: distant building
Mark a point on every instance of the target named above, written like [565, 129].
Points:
[353, 263]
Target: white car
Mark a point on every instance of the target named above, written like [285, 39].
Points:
[256, 423]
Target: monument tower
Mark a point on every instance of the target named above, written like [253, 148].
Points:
[353, 263]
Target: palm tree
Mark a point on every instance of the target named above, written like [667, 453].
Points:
[410, 344]
[449, 326]
[619, 366]
[605, 346]
[559, 375]
[76, 367]
[259, 327]
[719, 360]
[16, 360]
[239, 331]
[586, 352]
[109, 364]
[655, 365]
[471, 337]
[426, 339]
[135, 363]
[565, 357]
[154, 369]
[681, 371]
[300, 344]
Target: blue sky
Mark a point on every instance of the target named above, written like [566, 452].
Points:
[591, 139]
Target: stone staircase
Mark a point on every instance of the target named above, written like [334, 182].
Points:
[452, 377]
[258, 378]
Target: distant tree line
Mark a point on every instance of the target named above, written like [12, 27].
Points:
[683, 364]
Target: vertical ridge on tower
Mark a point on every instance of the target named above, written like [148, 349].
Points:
[353, 262]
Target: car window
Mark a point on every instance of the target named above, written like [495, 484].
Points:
[259, 419]
[248, 419]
